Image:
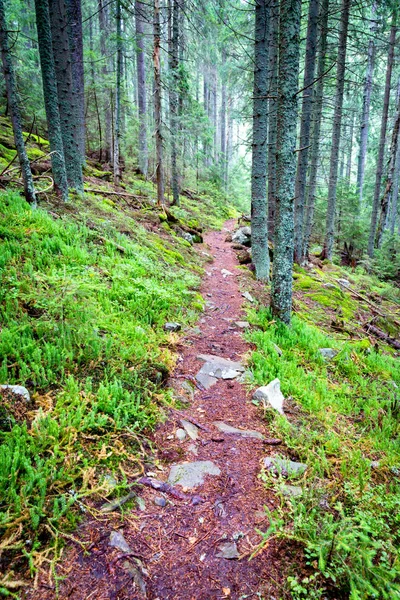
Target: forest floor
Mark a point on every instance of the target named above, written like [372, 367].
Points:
[178, 545]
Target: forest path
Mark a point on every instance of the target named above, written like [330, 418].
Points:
[179, 544]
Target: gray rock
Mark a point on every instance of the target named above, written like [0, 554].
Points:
[118, 541]
[188, 237]
[172, 326]
[191, 430]
[110, 481]
[242, 236]
[328, 353]
[191, 474]
[225, 273]
[141, 504]
[285, 467]
[223, 363]
[293, 491]
[160, 501]
[248, 296]
[136, 574]
[206, 380]
[180, 434]
[18, 390]
[242, 324]
[228, 550]
[271, 394]
[331, 286]
[193, 449]
[219, 509]
[343, 282]
[234, 431]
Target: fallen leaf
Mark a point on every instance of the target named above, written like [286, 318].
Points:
[226, 591]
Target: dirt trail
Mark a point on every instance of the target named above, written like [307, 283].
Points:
[178, 544]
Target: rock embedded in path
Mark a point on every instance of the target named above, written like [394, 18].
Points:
[172, 326]
[18, 390]
[284, 467]
[242, 324]
[191, 430]
[118, 541]
[242, 236]
[191, 474]
[271, 394]
[221, 362]
[180, 434]
[248, 297]
[228, 550]
[217, 367]
[328, 353]
[205, 380]
[248, 433]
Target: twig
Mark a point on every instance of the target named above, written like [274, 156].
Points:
[199, 425]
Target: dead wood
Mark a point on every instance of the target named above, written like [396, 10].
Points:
[376, 332]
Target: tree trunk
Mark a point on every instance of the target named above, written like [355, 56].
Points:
[67, 95]
[350, 147]
[365, 110]
[74, 14]
[289, 41]
[337, 123]
[396, 177]
[14, 108]
[272, 111]
[103, 25]
[173, 101]
[316, 124]
[305, 127]
[223, 120]
[117, 122]
[259, 224]
[157, 104]
[51, 97]
[140, 8]
[382, 139]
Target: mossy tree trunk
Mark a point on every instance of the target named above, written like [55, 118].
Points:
[67, 95]
[117, 122]
[305, 129]
[336, 131]
[140, 9]
[173, 100]
[259, 225]
[51, 97]
[74, 15]
[157, 104]
[14, 108]
[289, 42]
[103, 25]
[272, 111]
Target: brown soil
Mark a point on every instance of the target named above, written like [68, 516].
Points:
[178, 544]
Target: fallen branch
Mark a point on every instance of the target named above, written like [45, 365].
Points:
[382, 335]
[191, 420]
[163, 487]
[114, 193]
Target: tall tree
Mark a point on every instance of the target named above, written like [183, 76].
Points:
[140, 8]
[289, 42]
[272, 111]
[364, 127]
[305, 128]
[382, 139]
[316, 122]
[117, 121]
[259, 224]
[157, 104]
[14, 108]
[74, 19]
[103, 25]
[173, 99]
[67, 95]
[337, 124]
[51, 97]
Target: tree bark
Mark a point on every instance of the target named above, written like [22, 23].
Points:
[157, 104]
[67, 95]
[316, 124]
[305, 128]
[259, 224]
[103, 25]
[74, 15]
[173, 100]
[141, 86]
[382, 139]
[289, 41]
[337, 123]
[51, 97]
[272, 111]
[223, 120]
[117, 121]
[14, 108]
[364, 128]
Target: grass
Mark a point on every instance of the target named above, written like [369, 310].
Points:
[344, 422]
[83, 301]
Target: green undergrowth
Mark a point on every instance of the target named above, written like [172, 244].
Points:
[343, 421]
[85, 291]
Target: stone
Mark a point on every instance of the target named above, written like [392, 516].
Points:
[242, 236]
[228, 550]
[244, 257]
[191, 430]
[222, 362]
[248, 296]
[219, 509]
[18, 390]
[118, 541]
[328, 353]
[160, 501]
[172, 327]
[180, 434]
[343, 282]
[331, 286]
[285, 467]
[141, 504]
[248, 433]
[205, 380]
[191, 474]
[225, 273]
[193, 449]
[242, 324]
[294, 491]
[137, 577]
[110, 482]
[271, 394]
[188, 237]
